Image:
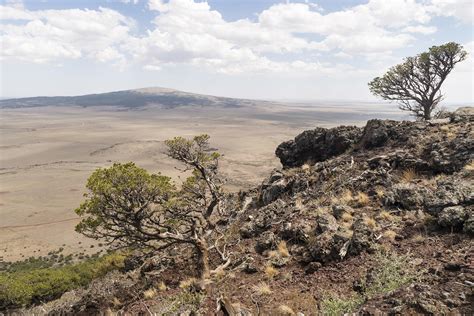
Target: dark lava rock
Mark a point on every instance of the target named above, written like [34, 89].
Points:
[453, 216]
[317, 145]
[266, 241]
[312, 267]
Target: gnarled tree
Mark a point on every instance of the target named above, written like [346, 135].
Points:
[126, 206]
[416, 83]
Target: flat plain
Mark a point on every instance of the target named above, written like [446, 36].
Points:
[47, 154]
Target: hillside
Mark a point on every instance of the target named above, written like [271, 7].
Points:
[166, 98]
[374, 220]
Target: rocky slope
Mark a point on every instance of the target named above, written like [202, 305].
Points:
[371, 220]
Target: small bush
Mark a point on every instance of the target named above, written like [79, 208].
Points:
[333, 305]
[392, 272]
[32, 284]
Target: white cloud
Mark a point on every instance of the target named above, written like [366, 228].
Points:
[421, 29]
[462, 10]
[283, 38]
[48, 35]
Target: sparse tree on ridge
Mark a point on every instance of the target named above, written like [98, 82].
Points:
[416, 83]
[126, 206]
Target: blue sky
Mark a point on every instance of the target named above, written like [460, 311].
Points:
[293, 50]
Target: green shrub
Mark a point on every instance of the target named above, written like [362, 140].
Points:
[333, 305]
[33, 283]
[392, 272]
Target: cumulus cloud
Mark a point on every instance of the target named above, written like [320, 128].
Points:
[49, 35]
[284, 37]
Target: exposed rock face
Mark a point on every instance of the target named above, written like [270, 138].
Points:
[317, 145]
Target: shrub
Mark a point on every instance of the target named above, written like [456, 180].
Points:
[28, 284]
[391, 273]
[334, 305]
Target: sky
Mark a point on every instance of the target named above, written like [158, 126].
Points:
[261, 49]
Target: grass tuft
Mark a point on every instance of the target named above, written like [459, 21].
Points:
[362, 199]
[390, 235]
[285, 310]
[408, 175]
[270, 271]
[283, 249]
[150, 293]
[262, 289]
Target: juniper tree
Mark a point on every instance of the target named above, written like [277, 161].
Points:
[127, 206]
[416, 83]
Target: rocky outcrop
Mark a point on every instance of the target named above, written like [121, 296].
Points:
[317, 145]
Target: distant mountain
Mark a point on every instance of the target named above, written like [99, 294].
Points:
[166, 98]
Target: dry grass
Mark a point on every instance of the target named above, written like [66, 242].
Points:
[270, 271]
[262, 289]
[362, 199]
[185, 284]
[150, 293]
[444, 128]
[343, 198]
[306, 167]
[285, 310]
[469, 166]
[380, 192]
[418, 238]
[408, 175]
[346, 217]
[390, 235]
[370, 222]
[299, 205]
[162, 286]
[386, 216]
[283, 249]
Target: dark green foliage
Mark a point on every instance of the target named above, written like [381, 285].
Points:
[35, 281]
[415, 84]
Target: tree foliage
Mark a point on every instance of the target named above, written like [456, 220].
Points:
[127, 206]
[416, 83]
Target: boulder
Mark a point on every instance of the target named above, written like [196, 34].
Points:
[453, 216]
[273, 191]
[463, 114]
[317, 145]
[449, 192]
[362, 237]
[339, 209]
[376, 134]
[326, 222]
[408, 195]
[468, 227]
[298, 232]
[266, 241]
